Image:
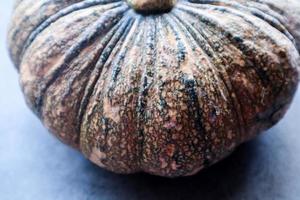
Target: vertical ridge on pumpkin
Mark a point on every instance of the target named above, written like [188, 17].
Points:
[290, 10]
[28, 14]
[109, 19]
[149, 64]
[247, 48]
[120, 140]
[96, 73]
[68, 10]
[277, 16]
[282, 15]
[194, 41]
[46, 103]
[212, 47]
[110, 131]
[211, 20]
[249, 9]
[149, 95]
[195, 106]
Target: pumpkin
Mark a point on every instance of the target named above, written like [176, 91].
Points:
[164, 87]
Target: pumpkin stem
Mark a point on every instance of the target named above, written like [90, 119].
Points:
[152, 6]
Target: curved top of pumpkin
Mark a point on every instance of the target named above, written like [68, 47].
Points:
[28, 21]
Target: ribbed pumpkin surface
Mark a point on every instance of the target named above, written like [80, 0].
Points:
[165, 93]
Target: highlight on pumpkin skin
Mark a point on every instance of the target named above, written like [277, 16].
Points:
[152, 6]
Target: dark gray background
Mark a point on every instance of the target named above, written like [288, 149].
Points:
[35, 166]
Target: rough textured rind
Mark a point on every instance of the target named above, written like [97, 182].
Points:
[27, 16]
[168, 93]
[290, 9]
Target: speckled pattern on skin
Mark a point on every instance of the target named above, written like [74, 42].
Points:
[167, 93]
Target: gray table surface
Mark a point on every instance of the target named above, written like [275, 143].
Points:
[36, 166]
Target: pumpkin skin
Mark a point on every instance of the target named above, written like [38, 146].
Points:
[167, 93]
